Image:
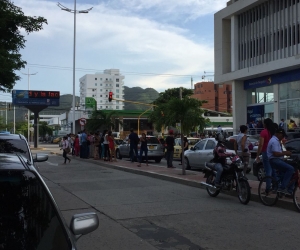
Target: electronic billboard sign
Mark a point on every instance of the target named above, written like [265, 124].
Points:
[35, 97]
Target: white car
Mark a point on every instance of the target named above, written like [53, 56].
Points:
[202, 152]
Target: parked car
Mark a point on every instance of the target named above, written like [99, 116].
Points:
[202, 152]
[155, 149]
[254, 141]
[15, 143]
[177, 148]
[292, 135]
[30, 218]
[291, 145]
[56, 140]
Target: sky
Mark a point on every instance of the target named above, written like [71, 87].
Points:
[155, 44]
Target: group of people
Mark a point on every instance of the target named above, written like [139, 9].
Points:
[89, 145]
[270, 147]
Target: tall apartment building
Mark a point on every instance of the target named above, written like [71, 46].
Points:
[257, 50]
[218, 97]
[98, 86]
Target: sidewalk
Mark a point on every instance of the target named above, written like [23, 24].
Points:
[191, 178]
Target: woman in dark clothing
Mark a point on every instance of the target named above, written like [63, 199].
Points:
[185, 147]
[144, 148]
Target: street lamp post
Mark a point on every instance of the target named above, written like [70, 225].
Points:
[75, 11]
[28, 114]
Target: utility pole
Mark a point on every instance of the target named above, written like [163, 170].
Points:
[182, 137]
[28, 114]
[192, 83]
[14, 119]
[6, 115]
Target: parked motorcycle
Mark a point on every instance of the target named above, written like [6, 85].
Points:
[231, 178]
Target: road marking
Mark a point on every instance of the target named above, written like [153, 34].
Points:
[53, 164]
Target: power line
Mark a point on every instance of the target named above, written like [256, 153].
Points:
[98, 70]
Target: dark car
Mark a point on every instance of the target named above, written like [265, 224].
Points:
[292, 135]
[291, 145]
[29, 216]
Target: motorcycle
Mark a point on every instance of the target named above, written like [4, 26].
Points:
[231, 178]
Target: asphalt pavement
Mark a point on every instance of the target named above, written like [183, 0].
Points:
[160, 171]
[140, 211]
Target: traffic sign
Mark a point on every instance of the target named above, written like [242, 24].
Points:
[82, 121]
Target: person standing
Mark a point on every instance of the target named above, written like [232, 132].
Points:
[111, 145]
[241, 146]
[76, 146]
[170, 141]
[133, 141]
[79, 138]
[264, 138]
[66, 149]
[84, 149]
[144, 148]
[96, 146]
[282, 124]
[185, 148]
[106, 146]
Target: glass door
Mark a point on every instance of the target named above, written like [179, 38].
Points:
[283, 113]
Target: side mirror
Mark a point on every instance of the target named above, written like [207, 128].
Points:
[85, 223]
[40, 158]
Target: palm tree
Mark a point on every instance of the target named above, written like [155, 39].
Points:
[102, 119]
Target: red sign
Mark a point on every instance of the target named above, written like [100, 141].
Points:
[43, 94]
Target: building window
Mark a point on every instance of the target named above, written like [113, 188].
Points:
[117, 80]
[117, 85]
[117, 91]
[106, 84]
[101, 101]
[118, 102]
[101, 107]
[107, 107]
[106, 79]
[100, 79]
[106, 90]
[106, 96]
[117, 96]
[96, 79]
[95, 84]
[100, 84]
[100, 95]
[117, 107]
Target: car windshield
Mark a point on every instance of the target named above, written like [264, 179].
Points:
[153, 140]
[28, 218]
[11, 146]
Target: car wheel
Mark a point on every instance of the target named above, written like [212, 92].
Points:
[187, 164]
[261, 173]
[118, 154]
[158, 160]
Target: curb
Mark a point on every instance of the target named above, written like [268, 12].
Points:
[254, 197]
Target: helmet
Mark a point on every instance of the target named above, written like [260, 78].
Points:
[219, 137]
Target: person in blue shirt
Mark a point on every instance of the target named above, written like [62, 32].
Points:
[83, 148]
[276, 155]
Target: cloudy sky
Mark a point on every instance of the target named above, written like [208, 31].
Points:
[155, 43]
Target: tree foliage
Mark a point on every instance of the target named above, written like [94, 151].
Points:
[44, 129]
[12, 20]
[103, 120]
[170, 110]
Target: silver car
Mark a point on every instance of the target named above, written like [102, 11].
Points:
[202, 152]
[155, 149]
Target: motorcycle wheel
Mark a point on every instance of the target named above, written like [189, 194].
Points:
[244, 193]
[267, 198]
[213, 192]
[296, 197]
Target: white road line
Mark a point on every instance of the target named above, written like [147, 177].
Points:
[53, 164]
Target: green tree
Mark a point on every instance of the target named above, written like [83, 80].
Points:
[160, 115]
[103, 120]
[44, 129]
[12, 19]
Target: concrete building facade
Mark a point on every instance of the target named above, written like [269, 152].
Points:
[257, 45]
[218, 97]
[98, 86]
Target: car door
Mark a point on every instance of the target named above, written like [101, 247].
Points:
[293, 146]
[195, 153]
[207, 152]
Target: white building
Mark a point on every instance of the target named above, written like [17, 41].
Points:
[99, 85]
[257, 50]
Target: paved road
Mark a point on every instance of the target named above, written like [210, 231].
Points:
[139, 212]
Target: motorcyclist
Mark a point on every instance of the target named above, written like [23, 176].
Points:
[220, 157]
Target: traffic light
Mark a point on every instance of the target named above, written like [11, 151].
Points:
[110, 96]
